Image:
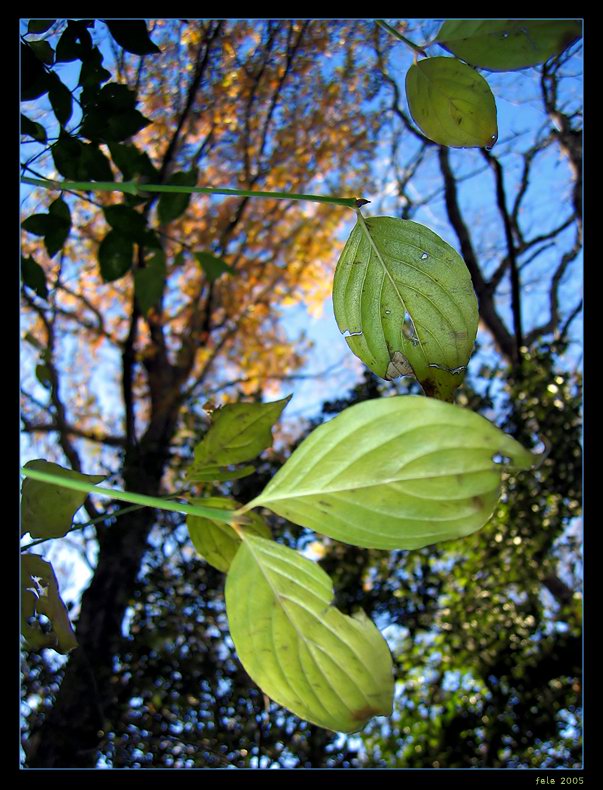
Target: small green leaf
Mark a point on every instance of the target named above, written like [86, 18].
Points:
[61, 100]
[33, 129]
[239, 432]
[132, 35]
[43, 51]
[115, 254]
[149, 282]
[40, 596]
[38, 26]
[451, 103]
[92, 75]
[395, 473]
[112, 115]
[132, 162]
[43, 376]
[47, 510]
[59, 225]
[126, 220]
[33, 276]
[212, 266]
[330, 669]
[508, 44]
[172, 205]
[406, 300]
[217, 542]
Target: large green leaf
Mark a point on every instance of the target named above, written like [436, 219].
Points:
[172, 204]
[115, 254]
[330, 669]
[40, 596]
[218, 542]
[149, 282]
[452, 103]
[395, 473]
[239, 432]
[47, 511]
[508, 44]
[406, 302]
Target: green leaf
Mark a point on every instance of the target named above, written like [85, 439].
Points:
[132, 162]
[451, 103]
[115, 255]
[111, 116]
[38, 26]
[132, 35]
[47, 511]
[212, 266]
[239, 432]
[406, 299]
[40, 596]
[149, 282]
[33, 276]
[126, 220]
[395, 473]
[172, 205]
[43, 375]
[59, 225]
[43, 51]
[36, 224]
[33, 129]
[218, 542]
[508, 44]
[219, 474]
[330, 669]
[61, 100]
[79, 161]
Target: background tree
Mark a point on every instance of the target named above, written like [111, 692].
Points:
[486, 630]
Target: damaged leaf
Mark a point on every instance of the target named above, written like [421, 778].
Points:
[395, 473]
[406, 301]
[326, 667]
[40, 596]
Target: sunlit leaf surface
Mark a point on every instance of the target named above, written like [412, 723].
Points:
[328, 668]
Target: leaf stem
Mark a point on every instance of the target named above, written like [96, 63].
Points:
[415, 47]
[129, 496]
[135, 188]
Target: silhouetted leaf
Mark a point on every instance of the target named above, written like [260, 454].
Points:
[33, 276]
[39, 26]
[115, 255]
[43, 51]
[149, 281]
[172, 205]
[40, 596]
[36, 224]
[59, 225]
[126, 220]
[75, 42]
[61, 100]
[79, 161]
[34, 77]
[212, 266]
[33, 129]
[132, 35]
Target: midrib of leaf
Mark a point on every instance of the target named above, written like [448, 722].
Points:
[309, 643]
[375, 249]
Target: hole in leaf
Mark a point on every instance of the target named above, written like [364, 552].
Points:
[347, 333]
[424, 256]
[499, 458]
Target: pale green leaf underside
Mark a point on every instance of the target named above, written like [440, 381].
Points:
[406, 299]
[218, 542]
[507, 44]
[239, 432]
[330, 669]
[47, 511]
[451, 103]
[40, 596]
[395, 473]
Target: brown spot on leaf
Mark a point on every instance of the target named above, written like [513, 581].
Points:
[478, 502]
[364, 713]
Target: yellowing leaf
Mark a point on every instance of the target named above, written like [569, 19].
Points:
[332, 670]
[395, 473]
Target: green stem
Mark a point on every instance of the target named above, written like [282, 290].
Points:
[134, 188]
[128, 496]
[415, 47]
